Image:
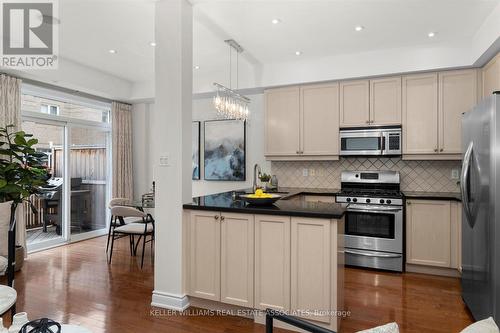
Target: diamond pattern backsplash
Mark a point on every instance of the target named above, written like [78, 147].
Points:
[429, 176]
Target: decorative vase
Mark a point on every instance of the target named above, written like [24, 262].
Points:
[3, 329]
[18, 321]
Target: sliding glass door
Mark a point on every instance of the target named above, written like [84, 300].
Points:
[89, 172]
[45, 220]
[74, 132]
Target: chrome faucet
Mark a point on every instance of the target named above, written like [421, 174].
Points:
[256, 172]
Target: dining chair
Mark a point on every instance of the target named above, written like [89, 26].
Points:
[144, 228]
[116, 221]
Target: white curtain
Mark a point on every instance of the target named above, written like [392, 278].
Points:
[10, 114]
[121, 120]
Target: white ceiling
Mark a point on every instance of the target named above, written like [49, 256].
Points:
[326, 28]
[89, 29]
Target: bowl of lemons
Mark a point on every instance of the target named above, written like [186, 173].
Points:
[260, 198]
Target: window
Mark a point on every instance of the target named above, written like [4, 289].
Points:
[49, 109]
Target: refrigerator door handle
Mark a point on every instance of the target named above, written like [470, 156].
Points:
[464, 180]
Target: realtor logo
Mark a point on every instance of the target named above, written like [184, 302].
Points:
[29, 31]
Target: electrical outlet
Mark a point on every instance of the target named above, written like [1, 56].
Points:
[455, 174]
[312, 172]
[305, 172]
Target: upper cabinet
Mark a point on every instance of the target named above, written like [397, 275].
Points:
[432, 109]
[355, 103]
[320, 120]
[457, 94]
[374, 102]
[385, 101]
[420, 118]
[282, 122]
[491, 76]
[302, 122]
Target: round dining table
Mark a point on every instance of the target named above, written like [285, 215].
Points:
[8, 297]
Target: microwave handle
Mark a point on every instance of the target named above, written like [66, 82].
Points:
[382, 143]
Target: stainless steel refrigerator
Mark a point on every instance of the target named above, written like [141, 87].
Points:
[479, 183]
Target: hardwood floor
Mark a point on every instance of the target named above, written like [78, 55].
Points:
[74, 284]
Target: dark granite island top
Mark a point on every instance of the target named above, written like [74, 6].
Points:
[292, 204]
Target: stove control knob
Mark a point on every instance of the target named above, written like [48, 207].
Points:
[368, 200]
[382, 201]
[348, 199]
[354, 200]
[389, 201]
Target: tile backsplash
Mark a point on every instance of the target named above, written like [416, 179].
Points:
[430, 176]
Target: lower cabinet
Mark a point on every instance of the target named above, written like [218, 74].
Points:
[237, 242]
[263, 261]
[433, 233]
[310, 267]
[221, 257]
[272, 262]
[204, 255]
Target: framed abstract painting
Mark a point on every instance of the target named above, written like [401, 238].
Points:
[224, 151]
[196, 150]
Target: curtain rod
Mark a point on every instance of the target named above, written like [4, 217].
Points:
[64, 90]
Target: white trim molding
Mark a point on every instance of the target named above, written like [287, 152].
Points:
[169, 301]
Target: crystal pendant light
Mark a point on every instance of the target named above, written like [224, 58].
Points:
[228, 103]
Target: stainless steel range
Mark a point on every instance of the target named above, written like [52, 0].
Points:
[374, 219]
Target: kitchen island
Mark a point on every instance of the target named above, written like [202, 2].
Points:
[288, 256]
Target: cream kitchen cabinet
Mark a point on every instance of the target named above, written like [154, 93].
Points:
[282, 122]
[433, 232]
[491, 76]
[420, 114]
[221, 257]
[457, 94]
[204, 252]
[354, 103]
[302, 122]
[310, 266]
[374, 102]
[319, 120]
[385, 101]
[272, 262]
[433, 104]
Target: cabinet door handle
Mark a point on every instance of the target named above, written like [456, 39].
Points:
[441, 149]
[222, 218]
[216, 217]
[436, 150]
[367, 121]
[408, 203]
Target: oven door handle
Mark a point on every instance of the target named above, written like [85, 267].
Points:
[373, 254]
[381, 211]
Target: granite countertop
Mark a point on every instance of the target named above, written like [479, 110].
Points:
[290, 205]
[433, 195]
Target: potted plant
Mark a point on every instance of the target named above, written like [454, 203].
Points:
[22, 170]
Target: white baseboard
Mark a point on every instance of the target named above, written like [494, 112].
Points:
[169, 301]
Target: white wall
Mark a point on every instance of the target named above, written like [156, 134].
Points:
[203, 110]
[145, 153]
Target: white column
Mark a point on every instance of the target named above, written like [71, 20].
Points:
[172, 140]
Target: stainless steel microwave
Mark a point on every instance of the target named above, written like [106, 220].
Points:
[370, 141]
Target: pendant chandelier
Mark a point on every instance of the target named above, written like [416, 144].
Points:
[227, 102]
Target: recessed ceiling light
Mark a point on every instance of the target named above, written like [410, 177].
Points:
[112, 51]
[196, 67]
[359, 28]
[276, 21]
[152, 43]
[297, 53]
[431, 34]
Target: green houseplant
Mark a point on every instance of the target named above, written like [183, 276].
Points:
[22, 168]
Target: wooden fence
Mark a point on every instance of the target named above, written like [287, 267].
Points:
[89, 164]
